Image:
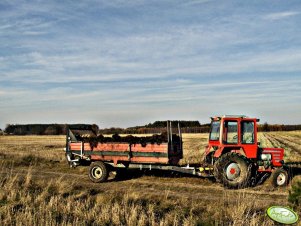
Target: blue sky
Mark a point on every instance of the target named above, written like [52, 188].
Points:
[126, 63]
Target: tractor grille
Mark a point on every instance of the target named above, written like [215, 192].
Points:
[277, 155]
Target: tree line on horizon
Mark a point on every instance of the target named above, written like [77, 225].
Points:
[156, 127]
[43, 129]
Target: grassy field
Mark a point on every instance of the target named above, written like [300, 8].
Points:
[38, 188]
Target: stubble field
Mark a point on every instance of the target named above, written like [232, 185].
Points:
[39, 188]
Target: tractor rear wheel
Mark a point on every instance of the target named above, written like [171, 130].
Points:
[280, 178]
[217, 170]
[234, 170]
[98, 172]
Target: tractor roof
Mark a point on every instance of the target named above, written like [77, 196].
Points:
[231, 116]
[235, 116]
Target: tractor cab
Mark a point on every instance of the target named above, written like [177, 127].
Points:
[235, 133]
[234, 153]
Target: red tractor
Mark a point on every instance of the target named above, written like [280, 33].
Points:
[237, 158]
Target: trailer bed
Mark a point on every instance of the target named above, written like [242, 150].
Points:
[165, 150]
[131, 153]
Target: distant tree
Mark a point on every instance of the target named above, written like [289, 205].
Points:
[265, 127]
[95, 128]
[7, 128]
[43, 129]
[52, 130]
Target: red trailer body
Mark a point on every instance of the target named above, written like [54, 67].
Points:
[82, 144]
[164, 153]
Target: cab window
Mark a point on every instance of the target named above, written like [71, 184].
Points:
[214, 131]
[230, 132]
[247, 132]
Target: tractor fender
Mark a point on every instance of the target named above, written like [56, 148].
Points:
[222, 151]
[218, 153]
[240, 151]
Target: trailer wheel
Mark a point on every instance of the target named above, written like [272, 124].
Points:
[98, 172]
[235, 170]
[280, 178]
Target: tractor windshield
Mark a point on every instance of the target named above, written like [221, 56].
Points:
[214, 131]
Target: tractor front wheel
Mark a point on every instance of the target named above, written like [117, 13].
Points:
[98, 172]
[234, 170]
[280, 178]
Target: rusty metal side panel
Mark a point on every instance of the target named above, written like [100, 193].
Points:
[150, 148]
[124, 152]
[121, 147]
[138, 159]
[100, 146]
[111, 146]
[77, 146]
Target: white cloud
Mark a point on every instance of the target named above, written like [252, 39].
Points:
[196, 2]
[280, 15]
[38, 68]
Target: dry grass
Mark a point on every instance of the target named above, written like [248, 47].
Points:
[39, 147]
[194, 147]
[38, 188]
[29, 201]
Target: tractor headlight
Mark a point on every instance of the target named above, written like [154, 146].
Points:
[266, 157]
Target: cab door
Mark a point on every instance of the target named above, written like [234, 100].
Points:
[248, 138]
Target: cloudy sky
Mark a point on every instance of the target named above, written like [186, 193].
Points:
[126, 63]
